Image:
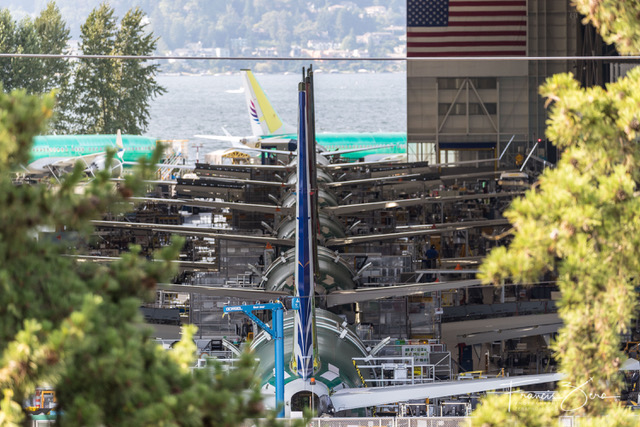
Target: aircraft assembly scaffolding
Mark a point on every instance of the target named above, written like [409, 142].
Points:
[429, 203]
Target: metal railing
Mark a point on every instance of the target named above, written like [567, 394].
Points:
[373, 422]
[368, 422]
[395, 370]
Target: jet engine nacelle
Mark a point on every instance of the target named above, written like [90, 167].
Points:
[337, 346]
[100, 163]
[300, 394]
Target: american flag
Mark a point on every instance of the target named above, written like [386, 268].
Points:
[466, 28]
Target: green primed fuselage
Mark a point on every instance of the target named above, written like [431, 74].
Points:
[82, 145]
[336, 353]
[377, 142]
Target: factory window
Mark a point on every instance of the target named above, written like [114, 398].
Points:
[477, 82]
[460, 109]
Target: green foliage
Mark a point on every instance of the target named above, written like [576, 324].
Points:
[54, 35]
[615, 417]
[617, 22]
[94, 95]
[137, 84]
[10, 410]
[7, 44]
[114, 94]
[239, 26]
[76, 326]
[46, 34]
[521, 409]
[581, 223]
[514, 410]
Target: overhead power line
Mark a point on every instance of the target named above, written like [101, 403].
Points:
[326, 58]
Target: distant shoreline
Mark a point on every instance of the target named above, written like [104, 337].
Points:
[285, 73]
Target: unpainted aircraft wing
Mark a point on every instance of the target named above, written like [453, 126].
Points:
[247, 181]
[461, 261]
[469, 176]
[248, 293]
[248, 207]
[367, 294]
[351, 398]
[224, 138]
[447, 271]
[506, 333]
[411, 232]
[165, 165]
[366, 207]
[253, 141]
[354, 150]
[194, 231]
[266, 150]
[360, 164]
[148, 181]
[263, 240]
[417, 177]
[491, 329]
[452, 226]
[413, 186]
[373, 206]
[630, 364]
[46, 163]
[192, 167]
[225, 168]
[182, 265]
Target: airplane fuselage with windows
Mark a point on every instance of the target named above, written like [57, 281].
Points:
[367, 143]
[269, 130]
[55, 154]
[80, 145]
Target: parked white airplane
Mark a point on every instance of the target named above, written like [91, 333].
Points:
[56, 154]
[269, 129]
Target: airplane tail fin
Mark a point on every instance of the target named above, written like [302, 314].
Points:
[119, 145]
[265, 121]
[304, 358]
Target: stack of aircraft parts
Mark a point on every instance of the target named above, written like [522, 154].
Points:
[369, 226]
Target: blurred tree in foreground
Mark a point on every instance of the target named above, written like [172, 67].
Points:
[582, 222]
[76, 326]
[616, 20]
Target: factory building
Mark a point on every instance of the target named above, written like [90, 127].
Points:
[469, 109]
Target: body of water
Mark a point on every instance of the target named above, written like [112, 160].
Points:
[197, 105]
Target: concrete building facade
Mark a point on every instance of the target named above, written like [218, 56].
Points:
[469, 109]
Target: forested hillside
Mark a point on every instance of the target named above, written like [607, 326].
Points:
[253, 27]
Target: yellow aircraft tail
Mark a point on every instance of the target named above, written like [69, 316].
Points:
[265, 121]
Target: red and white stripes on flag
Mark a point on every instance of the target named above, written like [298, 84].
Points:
[466, 28]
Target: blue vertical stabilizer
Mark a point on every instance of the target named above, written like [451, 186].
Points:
[303, 346]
